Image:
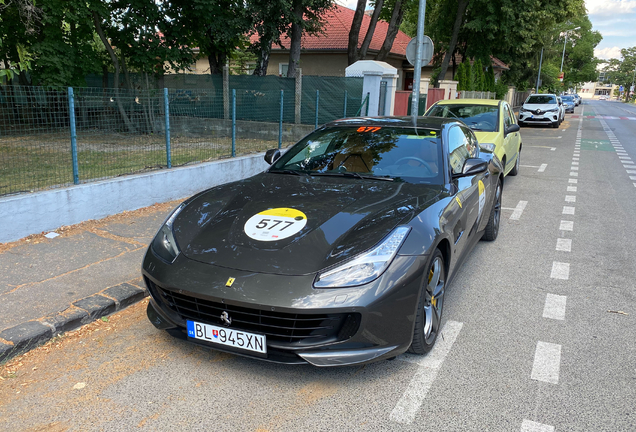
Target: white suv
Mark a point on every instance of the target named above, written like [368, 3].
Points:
[540, 109]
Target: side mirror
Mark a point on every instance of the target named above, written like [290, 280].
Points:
[473, 166]
[512, 128]
[272, 155]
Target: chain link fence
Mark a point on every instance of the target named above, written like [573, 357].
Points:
[53, 137]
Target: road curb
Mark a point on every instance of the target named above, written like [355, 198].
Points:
[31, 334]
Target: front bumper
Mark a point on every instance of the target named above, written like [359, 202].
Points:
[545, 118]
[384, 308]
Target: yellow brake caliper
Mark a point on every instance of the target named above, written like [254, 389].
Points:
[430, 278]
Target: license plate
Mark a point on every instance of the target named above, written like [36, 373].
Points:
[228, 337]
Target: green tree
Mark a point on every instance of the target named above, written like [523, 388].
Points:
[271, 19]
[306, 17]
[621, 71]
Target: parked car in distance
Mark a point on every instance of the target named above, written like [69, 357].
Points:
[492, 121]
[561, 110]
[577, 99]
[568, 103]
[541, 109]
[602, 97]
[340, 253]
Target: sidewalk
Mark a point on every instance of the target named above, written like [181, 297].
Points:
[49, 286]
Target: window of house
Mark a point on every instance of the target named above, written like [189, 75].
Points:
[282, 69]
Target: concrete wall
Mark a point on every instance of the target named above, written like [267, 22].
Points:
[27, 214]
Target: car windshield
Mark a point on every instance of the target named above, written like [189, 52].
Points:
[411, 155]
[567, 98]
[477, 117]
[541, 99]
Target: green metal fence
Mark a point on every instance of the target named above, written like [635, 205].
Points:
[51, 137]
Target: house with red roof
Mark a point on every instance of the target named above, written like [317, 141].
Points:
[325, 54]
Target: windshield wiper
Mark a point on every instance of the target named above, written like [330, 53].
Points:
[288, 171]
[353, 175]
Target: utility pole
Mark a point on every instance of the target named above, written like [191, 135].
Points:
[539, 74]
[417, 72]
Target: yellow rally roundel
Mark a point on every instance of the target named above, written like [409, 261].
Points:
[275, 224]
[482, 198]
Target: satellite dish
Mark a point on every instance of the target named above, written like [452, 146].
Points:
[427, 50]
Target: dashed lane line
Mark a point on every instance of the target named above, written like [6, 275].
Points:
[542, 168]
[564, 245]
[573, 181]
[566, 226]
[547, 362]
[570, 198]
[568, 210]
[560, 270]
[554, 307]
[518, 211]
[532, 426]
[411, 401]
[572, 189]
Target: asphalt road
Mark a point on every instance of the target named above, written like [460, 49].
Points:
[538, 337]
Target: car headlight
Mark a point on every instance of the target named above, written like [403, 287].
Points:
[164, 244]
[522, 109]
[366, 267]
[490, 148]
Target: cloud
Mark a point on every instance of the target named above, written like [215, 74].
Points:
[610, 7]
[608, 53]
[351, 4]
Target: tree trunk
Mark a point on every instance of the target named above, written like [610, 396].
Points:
[263, 59]
[461, 9]
[394, 26]
[124, 68]
[354, 33]
[295, 38]
[113, 57]
[367, 38]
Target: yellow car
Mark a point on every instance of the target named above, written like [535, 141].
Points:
[492, 121]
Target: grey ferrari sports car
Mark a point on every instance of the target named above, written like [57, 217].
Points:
[340, 253]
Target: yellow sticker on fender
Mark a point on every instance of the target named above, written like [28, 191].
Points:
[458, 201]
[482, 197]
[275, 224]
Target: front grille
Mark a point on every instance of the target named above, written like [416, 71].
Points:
[288, 328]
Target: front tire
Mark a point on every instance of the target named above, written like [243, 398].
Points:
[429, 310]
[515, 170]
[555, 125]
[492, 228]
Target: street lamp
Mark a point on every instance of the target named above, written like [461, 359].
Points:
[566, 41]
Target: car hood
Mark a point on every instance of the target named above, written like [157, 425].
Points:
[344, 216]
[487, 137]
[542, 107]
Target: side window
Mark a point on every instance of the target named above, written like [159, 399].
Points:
[507, 118]
[458, 149]
[511, 114]
[472, 145]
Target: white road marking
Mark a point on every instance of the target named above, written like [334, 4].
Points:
[529, 166]
[542, 167]
[574, 168]
[575, 162]
[631, 172]
[568, 210]
[409, 404]
[574, 174]
[560, 270]
[572, 189]
[625, 157]
[566, 226]
[552, 148]
[554, 307]
[632, 177]
[547, 361]
[564, 245]
[516, 214]
[570, 198]
[573, 181]
[575, 158]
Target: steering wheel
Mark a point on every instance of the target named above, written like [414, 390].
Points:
[416, 159]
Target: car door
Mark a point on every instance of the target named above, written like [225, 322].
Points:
[470, 194]
[511, 141]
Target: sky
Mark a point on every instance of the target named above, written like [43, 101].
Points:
[615, 19]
